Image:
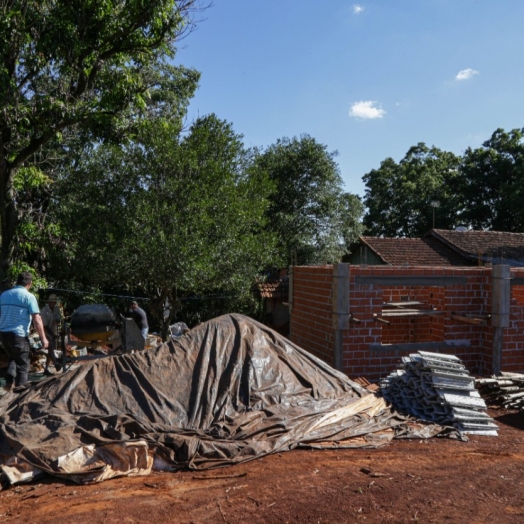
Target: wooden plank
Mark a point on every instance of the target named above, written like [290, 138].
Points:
[469, 320]
[411, 281]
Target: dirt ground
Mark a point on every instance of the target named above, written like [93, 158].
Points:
[439, 480]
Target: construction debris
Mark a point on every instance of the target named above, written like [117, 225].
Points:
[439, 388]
[506, 391]
[365, 383]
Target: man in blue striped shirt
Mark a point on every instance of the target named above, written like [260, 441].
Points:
[17, 308]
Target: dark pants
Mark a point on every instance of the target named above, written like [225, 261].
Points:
[53, 343]
[17, 349]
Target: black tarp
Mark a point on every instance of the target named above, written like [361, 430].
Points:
[228, 391]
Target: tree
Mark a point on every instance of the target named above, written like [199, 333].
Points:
[401, 198]
[85, 64]
[170, 215]
[494, 183]
[313, 218]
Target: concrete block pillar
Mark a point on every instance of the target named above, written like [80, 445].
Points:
[290, 298]
[340, 311]
[500, 308]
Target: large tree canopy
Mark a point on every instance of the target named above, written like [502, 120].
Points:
[90, 64]
[482, 189]
[494, 183]
[313, 218]
[169, 215]
[402, 198]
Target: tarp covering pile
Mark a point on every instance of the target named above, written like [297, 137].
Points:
[229, 391]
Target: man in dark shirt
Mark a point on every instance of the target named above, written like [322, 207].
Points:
[140, 317]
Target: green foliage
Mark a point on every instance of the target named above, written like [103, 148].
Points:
[170, 215]
[39, 283]
[30, 178]
[94, 67]
[483, 189]
[314, 220]
[401, 198]
[81, 62]
[493, 188]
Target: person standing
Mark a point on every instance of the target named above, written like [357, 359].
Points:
[17, 308]
[140, 317]
[52, 320]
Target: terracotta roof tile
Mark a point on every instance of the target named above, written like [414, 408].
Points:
[487, 244]
[425, 251]
[273, 289]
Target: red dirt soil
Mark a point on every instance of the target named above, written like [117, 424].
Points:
[434, 481]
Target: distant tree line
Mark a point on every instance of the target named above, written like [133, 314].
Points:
[482, 189]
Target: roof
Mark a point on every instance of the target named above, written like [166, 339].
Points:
[273, 289]
[490, 246]
[426, 251]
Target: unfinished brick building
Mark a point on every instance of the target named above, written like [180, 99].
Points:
[362, 319]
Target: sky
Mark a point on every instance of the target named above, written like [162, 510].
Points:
[368, 79]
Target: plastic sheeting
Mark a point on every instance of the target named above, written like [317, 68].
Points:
[229, 391]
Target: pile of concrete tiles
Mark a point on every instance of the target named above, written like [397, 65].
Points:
[507, 390]
[438, 388]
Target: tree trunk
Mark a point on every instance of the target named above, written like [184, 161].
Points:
[161, 298]
[8, 220]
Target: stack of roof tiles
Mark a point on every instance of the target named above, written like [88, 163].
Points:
[438, 388]
[506, 391]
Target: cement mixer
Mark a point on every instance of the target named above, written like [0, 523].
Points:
[96, 326]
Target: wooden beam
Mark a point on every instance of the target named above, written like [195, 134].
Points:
[469, 320]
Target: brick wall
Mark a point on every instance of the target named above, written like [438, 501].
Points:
[513, 340]
[311, 322]
[368, 345]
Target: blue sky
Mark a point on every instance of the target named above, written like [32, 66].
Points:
[368, 79]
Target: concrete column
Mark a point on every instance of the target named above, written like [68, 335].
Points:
[500, 307]
[290, 298]
[340, 311]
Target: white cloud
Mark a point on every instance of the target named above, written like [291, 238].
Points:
[366, 109]
[357, 9]
[466, 74]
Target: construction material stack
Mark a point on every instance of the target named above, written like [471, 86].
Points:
[506, 391]
[438, 388]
